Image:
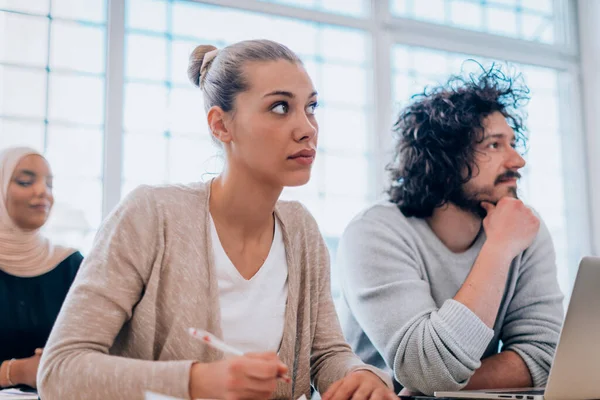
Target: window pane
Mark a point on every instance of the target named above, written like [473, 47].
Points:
[146, 57]
[344, 45]
[145, 107]
[403, 87]
[300, 36]
[14, 101]
[513, 18]
[429, 10]
[430, 64]
[88, 10]
[340, 211]
[401, 59]
[68, 226]
[347, 175]
[180, 53]
[186, 16]
[344, 85]
[31, 48]
[297, 3]
[83, 200]
[541, 6]
[33, 6]
[401, 8]
[343, 130]
[358, 8]
[191, 158]
[503, 22]
[186, 112]
[75, 152]
[351, 7]
[77, 47]
[509, 3]
[78, 99]
[145, 158]
[21, 133]
[540, 114]
[536, 27]
[466, 14]
[147, 15]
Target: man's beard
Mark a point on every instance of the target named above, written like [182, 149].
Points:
[470, 199]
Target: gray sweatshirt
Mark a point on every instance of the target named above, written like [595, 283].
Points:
[398, 281]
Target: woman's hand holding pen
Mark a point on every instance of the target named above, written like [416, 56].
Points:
[250, 376]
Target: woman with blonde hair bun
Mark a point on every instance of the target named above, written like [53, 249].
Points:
[225, 256]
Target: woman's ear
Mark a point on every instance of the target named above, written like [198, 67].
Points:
[216, 122]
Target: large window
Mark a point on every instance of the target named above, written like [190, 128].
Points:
[52, 76]
[364, 62]
[523, 19]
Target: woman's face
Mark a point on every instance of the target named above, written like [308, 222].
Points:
[29, 197]
[272, 132]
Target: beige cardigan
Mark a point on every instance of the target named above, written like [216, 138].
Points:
[150, 276]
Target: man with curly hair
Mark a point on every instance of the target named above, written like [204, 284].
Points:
[451, 282]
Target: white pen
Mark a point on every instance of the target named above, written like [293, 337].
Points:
[214, 342]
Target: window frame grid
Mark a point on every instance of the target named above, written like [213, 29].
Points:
[385, 30]
[48, 70]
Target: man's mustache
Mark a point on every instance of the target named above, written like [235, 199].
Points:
[506, 176]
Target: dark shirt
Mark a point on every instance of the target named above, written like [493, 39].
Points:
[29, 307]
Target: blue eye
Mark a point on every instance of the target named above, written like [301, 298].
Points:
[312, 108]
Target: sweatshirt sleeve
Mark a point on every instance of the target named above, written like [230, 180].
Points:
[76, 362]
[535, 314]
[428, 348]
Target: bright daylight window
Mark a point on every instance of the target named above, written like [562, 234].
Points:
[52, 76]
[53, 81]
[523, 19]
[355, 8]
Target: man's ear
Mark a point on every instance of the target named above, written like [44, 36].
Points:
[216, 122]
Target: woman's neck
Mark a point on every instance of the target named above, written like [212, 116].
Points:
[243, 204]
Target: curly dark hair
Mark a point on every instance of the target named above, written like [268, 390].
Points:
[437, 134]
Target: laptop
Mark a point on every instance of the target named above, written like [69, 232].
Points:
[575, 371]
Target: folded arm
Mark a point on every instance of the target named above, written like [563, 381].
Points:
[428, 348]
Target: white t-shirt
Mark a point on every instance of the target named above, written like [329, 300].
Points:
[252, 311]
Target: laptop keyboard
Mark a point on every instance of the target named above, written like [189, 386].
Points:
[525, 392]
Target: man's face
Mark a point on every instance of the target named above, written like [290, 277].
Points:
[497, 165]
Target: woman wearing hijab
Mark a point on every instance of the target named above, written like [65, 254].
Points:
[34, 274]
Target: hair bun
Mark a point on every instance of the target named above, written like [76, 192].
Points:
[196, 61]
